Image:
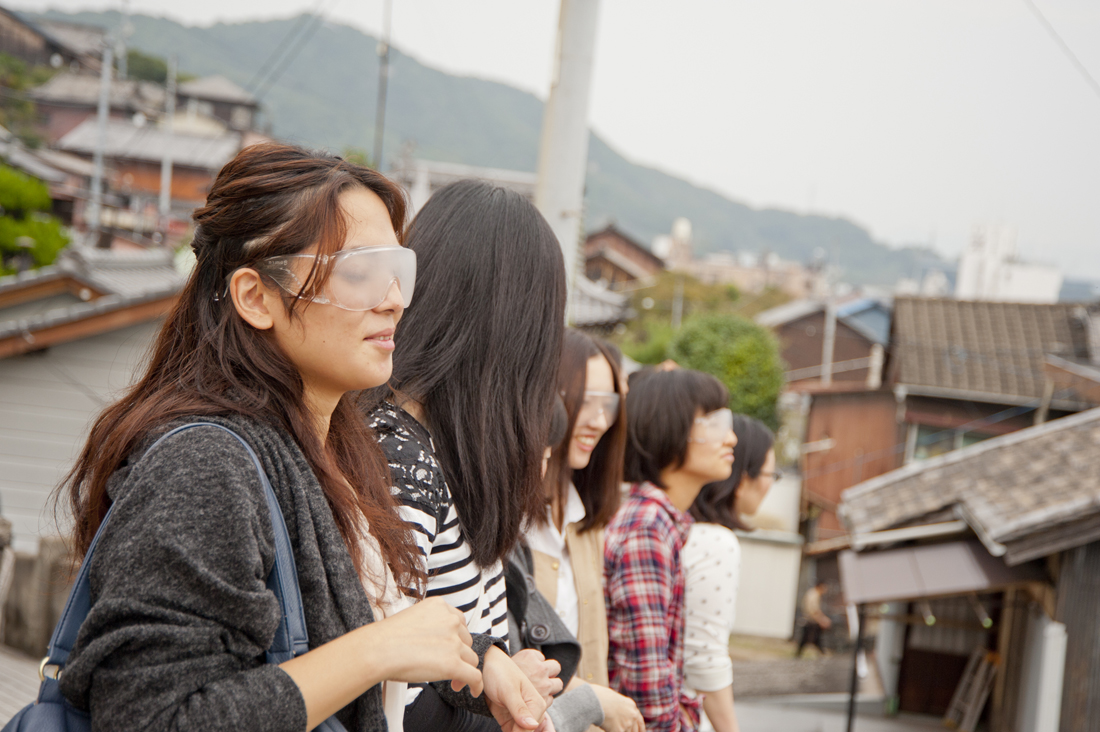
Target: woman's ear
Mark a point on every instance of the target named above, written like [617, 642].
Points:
[252, 299]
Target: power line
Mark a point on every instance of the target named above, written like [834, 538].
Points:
[1064, 46]
[293, 51]
[280, 49]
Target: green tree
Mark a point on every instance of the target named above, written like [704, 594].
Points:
[17, 111]
[742, 354]
[150, 68]
[24, 225]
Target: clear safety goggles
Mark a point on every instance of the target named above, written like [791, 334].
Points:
[597, 403]
[360, 280]
[713, 427]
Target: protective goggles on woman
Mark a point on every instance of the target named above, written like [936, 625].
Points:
[360, 280]
[596, 403]
[713, 427]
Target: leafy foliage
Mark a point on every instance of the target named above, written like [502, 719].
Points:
[744, 355]
[150, 68]
[17, 112]
[24, 201]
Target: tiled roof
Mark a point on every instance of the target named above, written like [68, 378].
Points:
[148, 143]
[867, 316]
[1008, 488]
[129, 278]
[216, 88]
[83, 88]
[993, 350]
[595, 305]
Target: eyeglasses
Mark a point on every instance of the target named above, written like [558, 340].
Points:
[361, 278]
[597, 403]
[714, 426]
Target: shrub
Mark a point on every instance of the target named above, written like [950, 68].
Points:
[742, 354]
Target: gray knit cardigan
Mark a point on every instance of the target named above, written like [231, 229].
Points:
[181, 615]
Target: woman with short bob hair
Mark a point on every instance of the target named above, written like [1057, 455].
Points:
[464, 419]
[289, 311]
[679, 438]
[712, 558]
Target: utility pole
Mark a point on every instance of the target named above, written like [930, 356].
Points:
[383, 83]
[95, 205]
[123, 34]
[563, 149]
[166, 161]
[830, 341]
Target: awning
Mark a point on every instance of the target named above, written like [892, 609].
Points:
[932, 570]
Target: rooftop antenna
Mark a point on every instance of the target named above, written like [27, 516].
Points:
[383, 79]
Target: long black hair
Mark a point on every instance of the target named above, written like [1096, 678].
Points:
[479, 351]
[716, 503]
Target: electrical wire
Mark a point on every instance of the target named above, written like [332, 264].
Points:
[292, 52]
[1064, 46]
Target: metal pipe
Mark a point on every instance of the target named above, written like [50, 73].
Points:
[853, 690]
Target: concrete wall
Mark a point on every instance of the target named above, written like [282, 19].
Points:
[768, 591]
[47, 401]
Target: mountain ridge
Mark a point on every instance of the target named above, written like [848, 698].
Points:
[326, 98]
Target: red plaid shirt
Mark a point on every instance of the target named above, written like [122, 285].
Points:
[644, 589]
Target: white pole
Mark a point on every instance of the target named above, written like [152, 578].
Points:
[829, 342]
[166, 161]
[95, 206]
[563, 149]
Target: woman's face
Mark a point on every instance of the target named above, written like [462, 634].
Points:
[710, 447]
[752, 491]
[337, 350]
[596, 414]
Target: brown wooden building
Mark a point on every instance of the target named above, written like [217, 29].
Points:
[35, 46]
[990, 551]
[614, 258]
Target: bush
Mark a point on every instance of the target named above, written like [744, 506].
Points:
[24, 201]
[742, 354]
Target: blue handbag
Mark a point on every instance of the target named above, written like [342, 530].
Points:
[53, 713]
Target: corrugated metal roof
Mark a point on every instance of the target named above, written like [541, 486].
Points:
[19, 157]
[991, 348]
[1007, 488]
[148, 143]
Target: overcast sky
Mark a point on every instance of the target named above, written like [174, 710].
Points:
[916, 118]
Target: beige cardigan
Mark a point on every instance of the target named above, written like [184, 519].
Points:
[586, 554]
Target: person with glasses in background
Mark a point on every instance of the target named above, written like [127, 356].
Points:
[679, 438]
[712, 558]
[583, 489]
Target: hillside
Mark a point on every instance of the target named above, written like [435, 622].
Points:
[326, 98]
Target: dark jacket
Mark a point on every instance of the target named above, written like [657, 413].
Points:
[532, 620]
[181, 616]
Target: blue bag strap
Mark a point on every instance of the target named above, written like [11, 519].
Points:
[290, 637]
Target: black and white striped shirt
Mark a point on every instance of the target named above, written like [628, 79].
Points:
[426, 503]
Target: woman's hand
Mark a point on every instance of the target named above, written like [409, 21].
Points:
[514, 701]
[620, 713]
[541, 672]
[428, 642]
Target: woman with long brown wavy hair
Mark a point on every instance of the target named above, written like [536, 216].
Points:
[299, 284]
